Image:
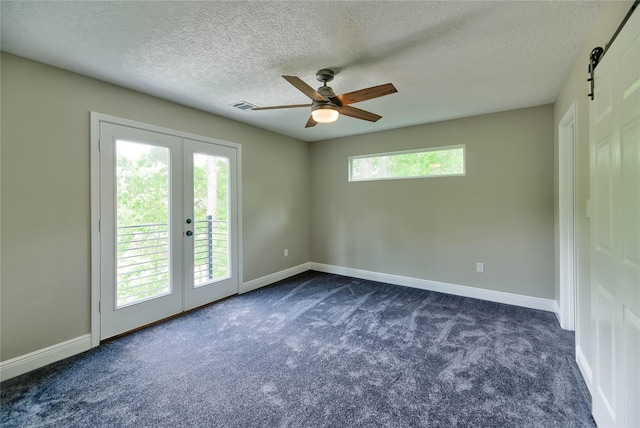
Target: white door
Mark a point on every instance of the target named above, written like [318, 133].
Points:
[168, 226]
[615, 231]
[210, 218]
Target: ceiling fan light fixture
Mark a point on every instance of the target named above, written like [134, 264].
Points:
[324, 113]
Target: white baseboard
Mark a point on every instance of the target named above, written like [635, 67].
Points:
[442, 287]
[40, 358]
[556, 310]
[566, 323]
[274, 277]
[585, 368]
[51, 354]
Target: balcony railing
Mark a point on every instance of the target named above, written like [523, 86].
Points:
[211, 250]
[142, 261]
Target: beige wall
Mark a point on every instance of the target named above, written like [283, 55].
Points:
[500, 213]
[575, 89]
[45, 271]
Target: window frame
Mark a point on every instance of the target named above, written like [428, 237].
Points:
[402, 152]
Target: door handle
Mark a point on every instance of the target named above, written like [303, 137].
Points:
[189, 233]
[188, 221]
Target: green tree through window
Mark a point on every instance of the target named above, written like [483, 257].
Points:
[142, 219]
[441, 161]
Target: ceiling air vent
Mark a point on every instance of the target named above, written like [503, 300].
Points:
[243, 105]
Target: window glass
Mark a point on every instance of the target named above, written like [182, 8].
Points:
[432, 162]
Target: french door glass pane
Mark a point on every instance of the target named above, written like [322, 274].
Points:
[211, 222]
[142, 222]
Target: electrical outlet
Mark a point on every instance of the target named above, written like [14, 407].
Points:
[480, 267]
[286, 252]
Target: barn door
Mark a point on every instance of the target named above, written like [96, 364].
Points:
[615, 231]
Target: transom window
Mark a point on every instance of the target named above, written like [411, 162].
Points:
[431, 162]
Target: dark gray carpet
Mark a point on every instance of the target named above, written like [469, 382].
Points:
[318, 350]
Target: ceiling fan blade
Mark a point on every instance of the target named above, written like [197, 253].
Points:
[310, 122]
[367, 93]
[304, 88]
[359, 114]
[277, 107]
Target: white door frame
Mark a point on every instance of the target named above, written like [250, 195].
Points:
[96, 118]
[566, 202]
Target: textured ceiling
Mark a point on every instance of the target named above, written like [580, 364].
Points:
[447, 59]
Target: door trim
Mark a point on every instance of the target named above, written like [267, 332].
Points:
[96, 119]
[566, 212]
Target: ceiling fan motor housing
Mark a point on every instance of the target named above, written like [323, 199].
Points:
[327, 92]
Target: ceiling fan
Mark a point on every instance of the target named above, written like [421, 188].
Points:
[326, 106]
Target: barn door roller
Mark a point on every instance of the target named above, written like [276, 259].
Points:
[597, 53]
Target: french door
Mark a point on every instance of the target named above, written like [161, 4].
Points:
[168, 225]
